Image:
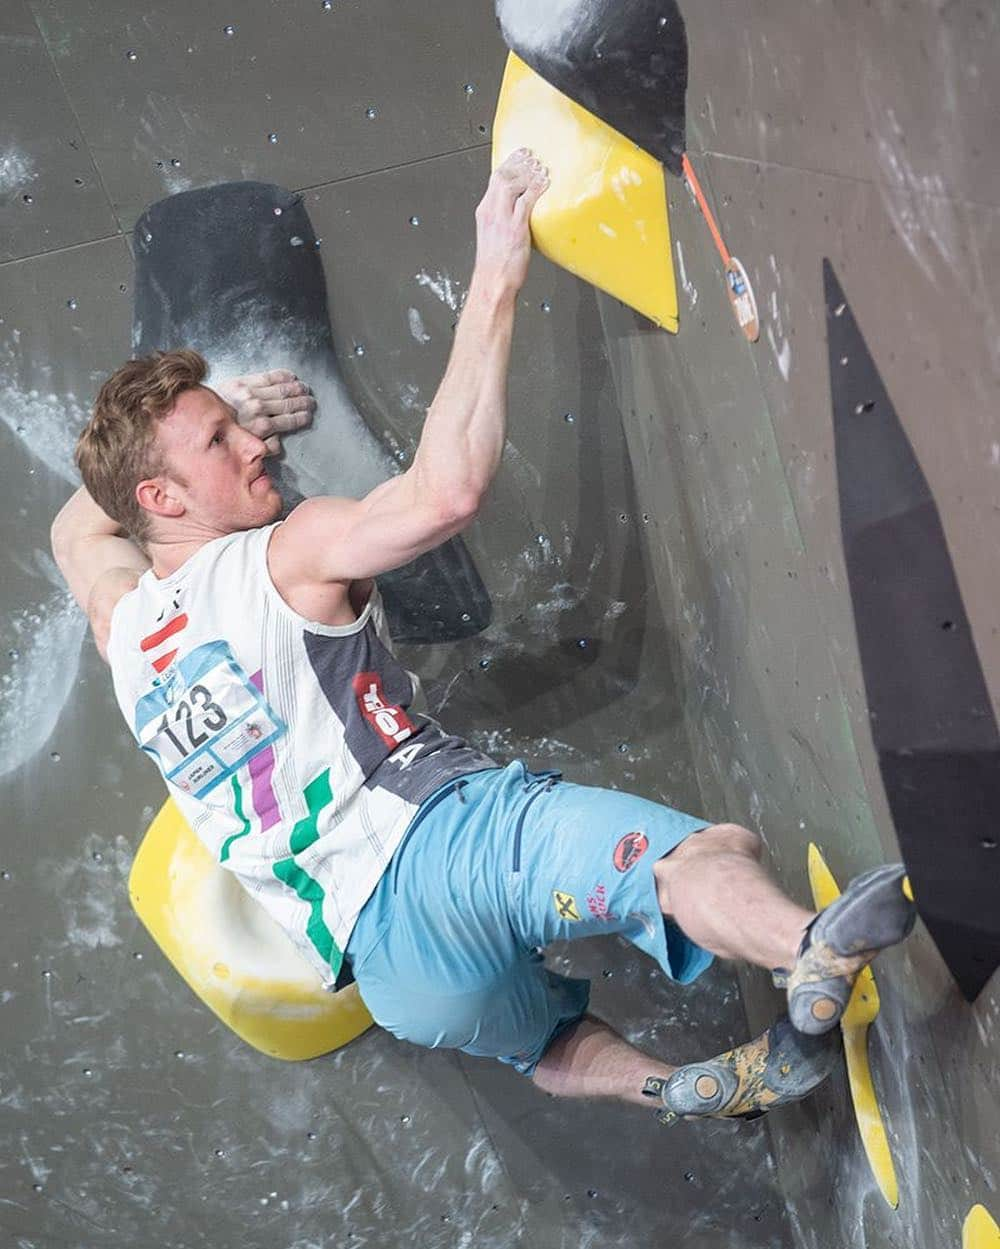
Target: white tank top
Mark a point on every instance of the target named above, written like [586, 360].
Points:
[296, 751]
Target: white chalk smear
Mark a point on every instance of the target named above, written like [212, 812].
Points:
[444, 287]
[540, 27]
[41, 644]
[48, 425]
[689, 287]
[40, 1170]
[776, 330]
[37, 673]
[932, 224]
[236, 930]
[782, 354]
[175, 182]
[163, 115]
[482, 1163]
[409, 397]
[17, 169]
[624, 178]
[90, 887]
[417, 329]
[917, 203]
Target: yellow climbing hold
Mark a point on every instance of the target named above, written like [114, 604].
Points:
[908, 888]
[231, 952]
[980, 1230]
[604, 216]
[861, 1012]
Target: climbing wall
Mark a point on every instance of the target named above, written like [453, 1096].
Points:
[128, 1113]
[855, 140]
[671, 604]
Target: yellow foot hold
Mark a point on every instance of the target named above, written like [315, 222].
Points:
[604, 216]
[231, 952]
[980, 1230]
[861, 1012]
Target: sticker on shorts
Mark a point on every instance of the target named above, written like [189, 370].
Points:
[565, 905]
[630, 850]
[205, 720]
[597, 904]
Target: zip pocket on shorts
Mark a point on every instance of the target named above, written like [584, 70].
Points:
[542, 789]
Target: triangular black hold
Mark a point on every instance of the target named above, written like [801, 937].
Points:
[931, 717]
[624, 60]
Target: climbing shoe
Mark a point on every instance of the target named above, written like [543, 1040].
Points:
[873, 912]
[779, 1067]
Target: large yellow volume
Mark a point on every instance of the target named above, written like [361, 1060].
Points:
[231, 952]
[604, 216]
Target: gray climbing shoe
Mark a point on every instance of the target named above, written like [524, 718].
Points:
[871, 914]
[779, 1067]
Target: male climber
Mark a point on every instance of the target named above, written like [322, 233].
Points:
[251, 660]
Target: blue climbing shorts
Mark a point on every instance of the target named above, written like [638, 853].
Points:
[494, 866]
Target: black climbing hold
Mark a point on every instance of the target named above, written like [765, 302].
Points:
[931, 717]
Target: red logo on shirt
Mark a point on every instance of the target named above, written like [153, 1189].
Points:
[158, 646]
[390, 722]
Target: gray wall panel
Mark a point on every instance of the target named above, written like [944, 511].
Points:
[894, 93]
[196, 106]
[50, 192]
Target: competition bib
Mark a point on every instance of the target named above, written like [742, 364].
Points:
[204, 719]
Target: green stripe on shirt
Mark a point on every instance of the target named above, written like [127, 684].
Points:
[238, 804]
[318, 794]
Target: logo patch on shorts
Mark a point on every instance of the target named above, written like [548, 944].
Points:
[597, 904]
[565, 905]
[630, 850]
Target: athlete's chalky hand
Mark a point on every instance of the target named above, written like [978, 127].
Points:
[269, 404]
[503, 238]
